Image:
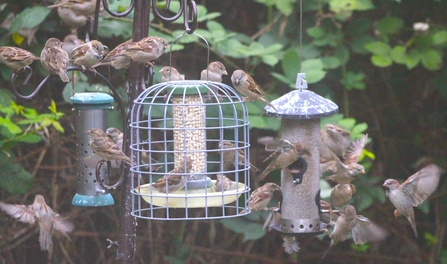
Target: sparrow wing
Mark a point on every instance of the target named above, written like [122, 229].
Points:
[422, 184]
[354, 150]
[364, 230]
[23, 213]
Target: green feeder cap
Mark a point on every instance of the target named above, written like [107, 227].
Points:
[93, 200]
[92, 100]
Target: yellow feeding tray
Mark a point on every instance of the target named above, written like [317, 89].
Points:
[194, 198]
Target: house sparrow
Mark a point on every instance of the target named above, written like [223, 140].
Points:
[41, 213]
[336, 139]
[171, 74]
[70, 42]
[412, 192]
[261, 197]
[118, 58]
[245, 85]
[174, 180]
[342, 194]
[147, 50]
[360, 227]
[229, 156]
[88, 54]
[223, 184]
[285, 153]
[54, 59]
[70, 18]
[79, 7]
[16, 58]
[104, 147]
[117, 137]
[349, 169]
[213, 72]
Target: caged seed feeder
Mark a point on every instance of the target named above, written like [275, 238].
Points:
[91, 112]
[183, 125]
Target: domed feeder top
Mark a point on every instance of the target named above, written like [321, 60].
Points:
[187, 88]
[92, 100]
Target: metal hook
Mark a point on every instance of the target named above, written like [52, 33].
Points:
[122, 14]
[100, 181]
[187, 7]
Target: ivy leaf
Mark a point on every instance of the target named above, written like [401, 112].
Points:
[29, 18]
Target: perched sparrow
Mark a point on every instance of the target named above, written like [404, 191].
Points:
[70, 18]
[41, 213]
[285, 153]
[213, 72]
[349, 169]
[223, 183]
[70, 42]
[360, 227]
[342, 194]
[118, 58]
[245, 85]
[262, 196]
[412, 192]
[88, 54]
[174, 180]
[16, 58]
[147, 49]
[117, 137]
[229, 156]
[104, 147]
[171, 74]
[79, 7]
[54, 59]
[336, 139]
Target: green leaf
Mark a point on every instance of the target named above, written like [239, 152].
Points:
[291, 64]
[413, 58]
[399, 54]
[13, 177]
[5, 97]
[282, 78]
[285, 6]
[359, 43]
[29, 18]
[330, 62]
[381, 60]
[439, 38]
[314, 70]
[342, 53]
[58, 126]
[250, 230]
[316, 32]
[347, 123]
[390, 25]
[10, 126]
[270, 59]
[432, 60]
[359, 26]
[29, 138]
[378, 47]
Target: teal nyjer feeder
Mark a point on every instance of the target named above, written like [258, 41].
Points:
[91, 112]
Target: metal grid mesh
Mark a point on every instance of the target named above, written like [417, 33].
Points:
[183, 125]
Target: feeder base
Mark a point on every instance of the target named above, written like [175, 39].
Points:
[93, 200]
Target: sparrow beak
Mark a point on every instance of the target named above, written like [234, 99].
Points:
[225, 73]
[385, 185]
[362, 172]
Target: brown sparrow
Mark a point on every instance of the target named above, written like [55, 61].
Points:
[88, 54]
[336, 139]
[261, 197]
[80, 7]
[285, 153]
[16, 58]
[412, 192]
[245, 85]
[171, 74]
[70, 18]
[229, 154]
[41, 213]
[54, 59]
[342, 194]
[214, 72]
[70, 42]
[223, 184]
[118, 58]
[104, 147]
[349, 169]
[360, 227]
[147, 50]
[174, 180]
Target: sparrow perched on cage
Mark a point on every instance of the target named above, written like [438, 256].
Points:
[88, 54]
[341, 194]
[245, 85]
[285, 153]
[229, 156]
[80, 7]
[41, 213]
[174, 180]
[336, 139]
[117, 137]
[360, 227]
[261, 197]
[16, 58]
[70, 42]
[413, 192]
[70, 18]
[223, 184]
[147, 49]
[214, 72]
[347, 170]
[54, 59]
[104, 147]
[118, 58]
[171, 74]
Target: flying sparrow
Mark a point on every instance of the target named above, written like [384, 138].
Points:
[342, 194]
[70, 42]
[70, 18]
[147, 50]
[16, 58]
[245, 85]
[349, 169]
[336, 139]
[41, 213]
[229, 154]
[118, 58]
[262, 196]
[79, 7]
[104, 147]
[117, 137]
[412, 192]
[174, 180]
[360, 227]
[54, 59]
[223, 184]
[88, 54]
[285, 153]
[171, 74]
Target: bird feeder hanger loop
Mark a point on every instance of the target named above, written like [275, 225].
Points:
[186, 7]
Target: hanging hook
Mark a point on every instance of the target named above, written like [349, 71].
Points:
[100, 181]
[187, 7]
[118, 14]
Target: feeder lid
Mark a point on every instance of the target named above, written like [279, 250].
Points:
[91, 99]
[93, 200]
[188, 88]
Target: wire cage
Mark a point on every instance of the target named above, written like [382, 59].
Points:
[192, 131]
